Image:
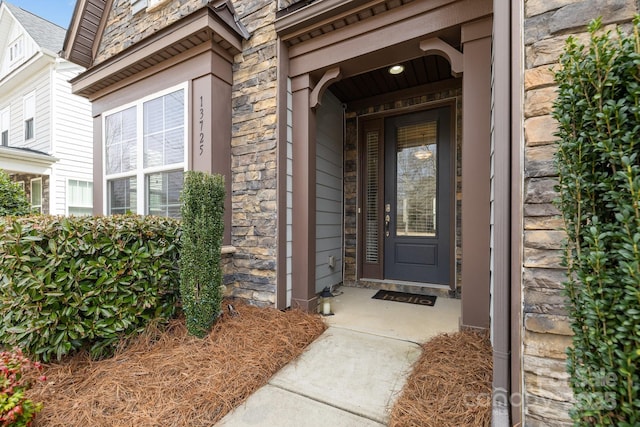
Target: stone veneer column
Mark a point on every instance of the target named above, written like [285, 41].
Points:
[546, 329]
[254, 155]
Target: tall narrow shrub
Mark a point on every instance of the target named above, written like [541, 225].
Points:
[13, 200]
[200, 270]
[598, 110]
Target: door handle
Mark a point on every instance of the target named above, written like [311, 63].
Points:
[387, 221]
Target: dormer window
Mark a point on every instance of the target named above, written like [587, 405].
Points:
[16, 50]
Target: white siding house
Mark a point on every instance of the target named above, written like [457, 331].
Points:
[46, 131]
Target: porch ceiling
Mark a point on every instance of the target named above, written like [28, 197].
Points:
[417, 72]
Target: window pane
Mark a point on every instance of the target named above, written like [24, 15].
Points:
[36, 193]
[417, 172]
[79, 211]
[5, 138]
[28, 129]
[164, 130]
[153, 116]
[153, 151]
[120, 141]
[80, 197]
[174, 110]
[174, 147]
[121, 196]
[163, 193]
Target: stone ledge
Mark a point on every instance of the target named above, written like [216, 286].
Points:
[228, 250]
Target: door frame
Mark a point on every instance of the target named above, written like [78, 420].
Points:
[366, 272]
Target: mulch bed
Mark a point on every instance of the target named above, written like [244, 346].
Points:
[168, 378]
[450, 384]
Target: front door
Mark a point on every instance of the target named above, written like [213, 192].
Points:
[416, 211]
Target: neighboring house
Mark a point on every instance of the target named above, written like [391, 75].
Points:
[46, 131]
[436, 176]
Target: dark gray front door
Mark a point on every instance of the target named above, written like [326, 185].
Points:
[417, 197]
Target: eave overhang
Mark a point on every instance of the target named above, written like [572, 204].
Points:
[24, 160]
[208, 26]
[306, 20]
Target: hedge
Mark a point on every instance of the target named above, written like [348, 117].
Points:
[84, 282]
[598, 110]
[13, 200]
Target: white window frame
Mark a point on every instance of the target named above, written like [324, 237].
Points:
[21, 185]
[5, 125]
[16, 50]
[140, 172]
[69, 204]
[30, 97]
[38, 207]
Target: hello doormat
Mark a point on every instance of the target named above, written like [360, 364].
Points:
[429, 300]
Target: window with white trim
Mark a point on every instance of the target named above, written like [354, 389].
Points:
[36, 195]
[29, 114]
[79, 197]
[4, 126]
[145, 155]
[16, 50]
[20, 184]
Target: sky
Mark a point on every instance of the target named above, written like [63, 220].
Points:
[57, 11]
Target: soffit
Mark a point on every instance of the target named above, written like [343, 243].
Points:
[418, 72]
[299, 24]
[202, 28]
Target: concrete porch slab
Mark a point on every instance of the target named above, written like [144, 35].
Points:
[355, 310]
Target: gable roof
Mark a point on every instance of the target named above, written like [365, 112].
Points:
[46, 34]
[89, 18]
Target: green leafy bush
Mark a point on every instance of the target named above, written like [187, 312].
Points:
[69, 283]
[598, 110]
[200, 269]
[13, 200]
[15, 409]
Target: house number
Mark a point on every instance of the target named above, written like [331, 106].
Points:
[201, 125]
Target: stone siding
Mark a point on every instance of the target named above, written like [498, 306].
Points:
[351, 179]
[546, 330]
[124, 29]
[254, 155]
[26, 179]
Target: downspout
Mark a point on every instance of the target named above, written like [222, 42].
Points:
[501, 251]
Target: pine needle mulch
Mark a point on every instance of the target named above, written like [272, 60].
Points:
[450, 384]
[168, 378]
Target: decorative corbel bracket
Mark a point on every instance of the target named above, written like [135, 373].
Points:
[331, 75]
[437, 46]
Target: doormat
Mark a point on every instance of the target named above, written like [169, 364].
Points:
[429, 300]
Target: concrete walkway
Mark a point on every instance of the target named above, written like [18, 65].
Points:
[349, 376]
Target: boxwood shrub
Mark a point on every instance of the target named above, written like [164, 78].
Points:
[598, 111]
[200, 270]
[84, 282]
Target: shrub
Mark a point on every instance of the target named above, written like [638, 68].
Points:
[200, 270]
[13, 200]
[15, 409]
[68, 283]
[598, 110]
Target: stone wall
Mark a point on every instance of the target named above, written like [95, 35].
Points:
[546, 332]
[351, 177]
[26, 179]
[254, 154]
[124, 29]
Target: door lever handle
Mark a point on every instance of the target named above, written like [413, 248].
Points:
[387, 221]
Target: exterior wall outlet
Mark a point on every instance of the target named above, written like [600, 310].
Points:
[332, 261]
